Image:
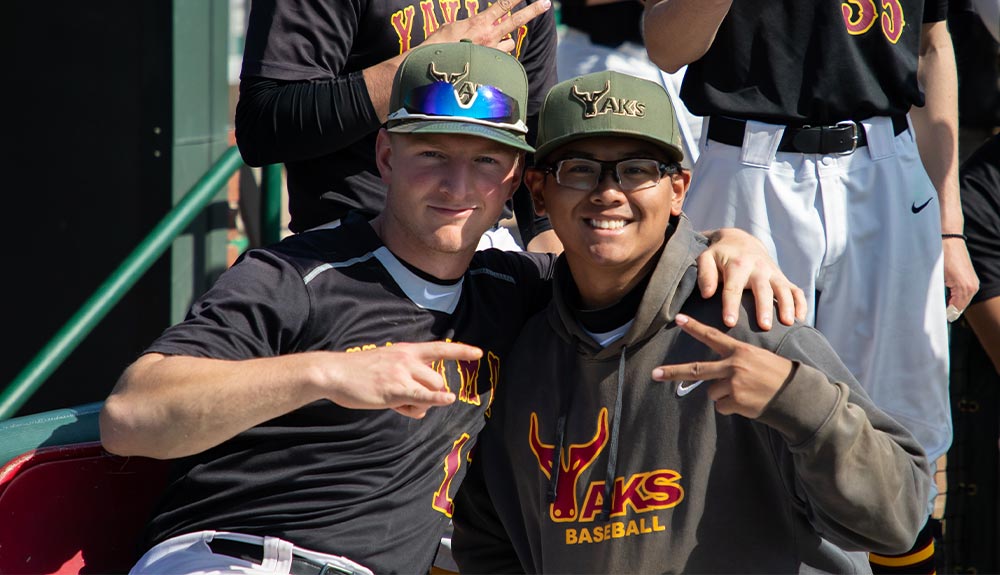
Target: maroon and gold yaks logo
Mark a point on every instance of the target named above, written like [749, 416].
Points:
[641, 492]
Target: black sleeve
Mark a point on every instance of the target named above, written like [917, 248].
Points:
[287, 121]
[979, 180]
[539, 62]
[300, 95]
[259, 307]
[529, 224]
[935, 11]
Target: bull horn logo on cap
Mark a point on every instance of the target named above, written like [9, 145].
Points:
[464, 89]
[591, 99]
[451, 77]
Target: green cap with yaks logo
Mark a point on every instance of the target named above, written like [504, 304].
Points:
[460, 88]
[607, 104]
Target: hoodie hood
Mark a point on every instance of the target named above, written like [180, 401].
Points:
[671, 282]
[673, 278]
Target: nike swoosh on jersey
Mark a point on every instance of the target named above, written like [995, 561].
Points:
[684, 388]
[917, 209]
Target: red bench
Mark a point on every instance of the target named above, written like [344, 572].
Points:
[66, 505]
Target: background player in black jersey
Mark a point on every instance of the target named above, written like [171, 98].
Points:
[972, 509]
[300, 420]
[315, 82]
[831, 134]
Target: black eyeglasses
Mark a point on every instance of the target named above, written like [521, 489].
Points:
[631, 175]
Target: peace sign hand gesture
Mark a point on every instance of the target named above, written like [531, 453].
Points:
[746, 377]
[490, 27]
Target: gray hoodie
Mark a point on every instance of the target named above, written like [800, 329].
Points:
[653, 480]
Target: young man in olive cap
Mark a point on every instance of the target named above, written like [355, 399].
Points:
[629, 434]
[300, 423]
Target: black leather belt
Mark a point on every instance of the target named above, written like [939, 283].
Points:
[841, 138]
[255, 552]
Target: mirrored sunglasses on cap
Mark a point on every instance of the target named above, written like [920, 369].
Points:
[440, 101]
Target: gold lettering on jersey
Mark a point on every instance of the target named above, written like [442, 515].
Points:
[402, 21]
[598, 103]
[493, 361]
[614, 530]
[468, 372]
[464, 373]
[522, 33]
[861, 15]
[452, 462]
[364, 347]
[431, 23]
[892, 20]
[449, 9]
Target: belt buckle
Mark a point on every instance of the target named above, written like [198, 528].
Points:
[854, 137]
[331, 569]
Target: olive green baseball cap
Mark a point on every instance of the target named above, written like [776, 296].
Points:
[460, 88]
[607, 103]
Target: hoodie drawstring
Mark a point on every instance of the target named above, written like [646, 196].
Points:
[609, 481]
[556, 454]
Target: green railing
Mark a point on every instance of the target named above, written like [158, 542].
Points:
[27, 382]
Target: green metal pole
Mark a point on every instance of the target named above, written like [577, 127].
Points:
[271, 203]
[118, 284]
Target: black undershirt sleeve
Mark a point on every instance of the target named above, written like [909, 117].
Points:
[529, 224]
[935, 11]
[287, 121]
[540, 64]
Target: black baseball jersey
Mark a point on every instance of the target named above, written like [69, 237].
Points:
[607, 24]
[980, 182]
[813, 62]
[324, 130]
[371, 485]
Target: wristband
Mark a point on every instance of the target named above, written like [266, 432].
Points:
[959, 236]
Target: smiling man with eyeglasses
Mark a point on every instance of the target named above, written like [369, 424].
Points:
[628, 433]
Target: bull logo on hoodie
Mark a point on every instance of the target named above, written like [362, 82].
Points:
[641, 492]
